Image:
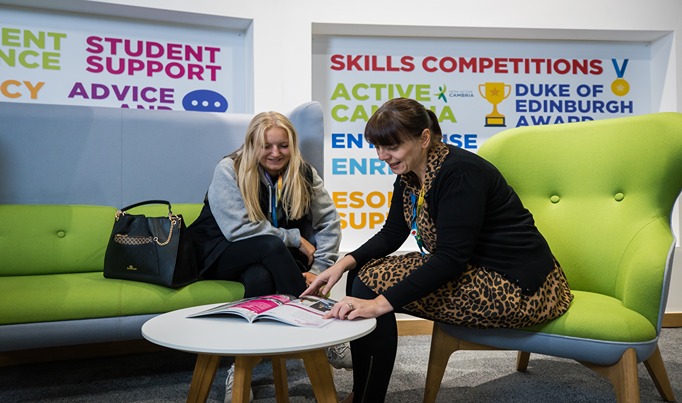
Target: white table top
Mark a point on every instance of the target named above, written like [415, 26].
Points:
[235, 336]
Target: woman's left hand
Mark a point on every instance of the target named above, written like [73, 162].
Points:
[307, 249]
[351, 308]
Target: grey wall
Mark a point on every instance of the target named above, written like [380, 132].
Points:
[56, 154]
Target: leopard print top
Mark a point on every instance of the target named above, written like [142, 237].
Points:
[478, 298]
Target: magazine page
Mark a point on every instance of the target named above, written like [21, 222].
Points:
[305, 312]
[248, 308]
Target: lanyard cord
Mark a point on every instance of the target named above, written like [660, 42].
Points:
[275, 196]
[417, 204]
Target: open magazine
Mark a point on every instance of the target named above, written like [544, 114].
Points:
[304, 312]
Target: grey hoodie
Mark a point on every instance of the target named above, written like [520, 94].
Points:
[230, 213]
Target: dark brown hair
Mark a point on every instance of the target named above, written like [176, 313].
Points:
[400, 120]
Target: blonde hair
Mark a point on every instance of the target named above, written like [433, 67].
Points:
[297, 192]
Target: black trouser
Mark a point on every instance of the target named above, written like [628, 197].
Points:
[374, 354]
[263, 264]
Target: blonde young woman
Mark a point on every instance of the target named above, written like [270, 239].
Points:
[267, 220]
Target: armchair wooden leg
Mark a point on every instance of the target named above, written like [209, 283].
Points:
[522, 359]
[442, 347]
[623, 376]
[658, 373]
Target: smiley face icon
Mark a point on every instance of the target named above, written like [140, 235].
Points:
[204, 101]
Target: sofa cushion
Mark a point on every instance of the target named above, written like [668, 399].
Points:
[618, 322]
[50, 239]
[44, 298]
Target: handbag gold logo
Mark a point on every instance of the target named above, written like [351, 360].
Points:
[131, 268]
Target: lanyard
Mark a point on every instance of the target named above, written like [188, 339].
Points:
[276, 196]
[416, 211]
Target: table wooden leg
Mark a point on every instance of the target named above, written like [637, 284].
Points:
[320, 374]
[279, 374]
[243, 367]
[202, 378]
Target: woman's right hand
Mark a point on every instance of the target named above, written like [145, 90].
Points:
[325, 281]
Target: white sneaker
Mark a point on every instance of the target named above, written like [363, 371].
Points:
[339, 356]
[229, 383]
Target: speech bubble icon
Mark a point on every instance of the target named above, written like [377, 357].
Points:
[204, 101]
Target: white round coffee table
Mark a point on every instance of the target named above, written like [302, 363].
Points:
[213, 337]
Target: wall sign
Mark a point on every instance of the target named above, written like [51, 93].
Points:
[85, 60]
[475, 87]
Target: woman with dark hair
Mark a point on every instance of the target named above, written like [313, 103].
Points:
[481, 261]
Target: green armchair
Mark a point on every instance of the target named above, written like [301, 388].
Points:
[602, 193]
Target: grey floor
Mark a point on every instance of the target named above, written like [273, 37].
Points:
[471, 377]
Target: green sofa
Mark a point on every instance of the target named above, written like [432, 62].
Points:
[53, 292]
[64, 171]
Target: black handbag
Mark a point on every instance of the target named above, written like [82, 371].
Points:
[155, 250]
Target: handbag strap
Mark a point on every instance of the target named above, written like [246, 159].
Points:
[142, 203]
[123, 211]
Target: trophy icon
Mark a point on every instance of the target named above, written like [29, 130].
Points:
[494, 93]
